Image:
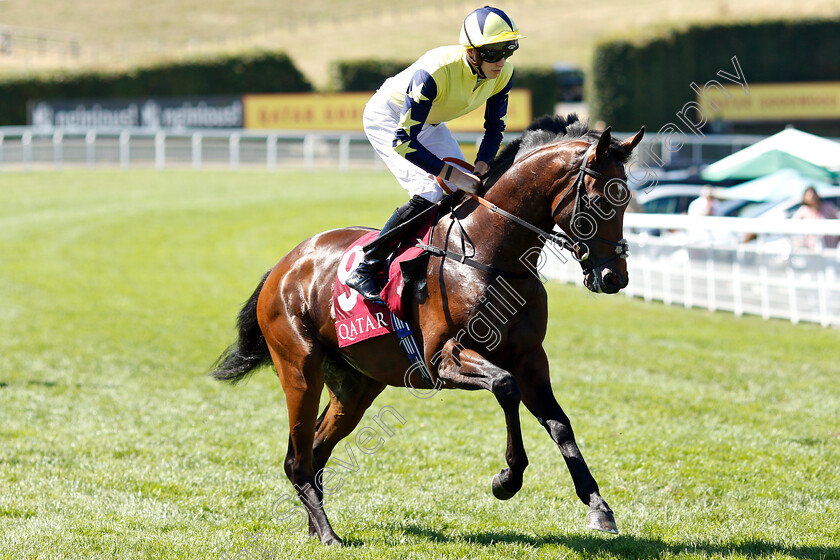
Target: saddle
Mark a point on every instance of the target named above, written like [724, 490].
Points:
[358, 319]
[405, 266]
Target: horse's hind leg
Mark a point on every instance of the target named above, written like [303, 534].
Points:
[288, 465]
[303, 380]
[467, 369]
[351, 394]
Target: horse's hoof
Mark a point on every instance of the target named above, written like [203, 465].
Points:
[601, 521]
[498, 490]
[332, 540]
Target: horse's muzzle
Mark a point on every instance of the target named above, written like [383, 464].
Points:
[605, 280]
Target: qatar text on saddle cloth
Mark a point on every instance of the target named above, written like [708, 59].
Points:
[357, 319]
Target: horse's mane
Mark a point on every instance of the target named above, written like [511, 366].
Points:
[546, 130]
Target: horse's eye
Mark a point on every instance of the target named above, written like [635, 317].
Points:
[603, 205]
[617, 192]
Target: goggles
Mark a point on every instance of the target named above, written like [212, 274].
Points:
[493, 53]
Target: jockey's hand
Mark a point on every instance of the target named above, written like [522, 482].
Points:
[481, 168]
[466, 182]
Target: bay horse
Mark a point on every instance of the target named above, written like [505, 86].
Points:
[559, 172]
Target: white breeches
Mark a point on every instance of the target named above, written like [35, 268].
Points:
[381, 119]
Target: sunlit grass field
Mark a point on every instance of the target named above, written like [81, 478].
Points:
[711, 436]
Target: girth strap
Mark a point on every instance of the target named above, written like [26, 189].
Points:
[409, 345]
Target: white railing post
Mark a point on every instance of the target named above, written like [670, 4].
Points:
[2, 138]
[26, 149]
[57, 141]
[647, 280]
[344, 153]
[309, 152]
[196, 151]
[822, 298]
[688, 292]
[791, 285]
[233, 147]
[90, 149]
[125, 149]
[737, 298]
[160, 150]
[271, 152]
[764, 281]
[634, 270]
[711, 296]
[667, 297]
[832, 283]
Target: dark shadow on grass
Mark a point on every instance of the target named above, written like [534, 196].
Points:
[54, 384]
[350, 543]
[41, 383]
[633, 547]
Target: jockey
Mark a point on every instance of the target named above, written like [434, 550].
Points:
[405, 121]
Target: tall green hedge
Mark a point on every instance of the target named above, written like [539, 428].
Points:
[368, 75]
[544, 86]
[364, 75]
[263, 72]
[636, 82]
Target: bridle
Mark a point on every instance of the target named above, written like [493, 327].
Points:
[576, 247]
[579, 188]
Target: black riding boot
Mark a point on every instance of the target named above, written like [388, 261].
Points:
[363, 278]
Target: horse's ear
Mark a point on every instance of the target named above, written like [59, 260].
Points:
[603, 143]
[630, 143]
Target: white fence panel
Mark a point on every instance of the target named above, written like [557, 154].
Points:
[700, 262]
[26, 148]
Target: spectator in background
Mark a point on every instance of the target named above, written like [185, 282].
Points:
[705, 205]
[815, 208]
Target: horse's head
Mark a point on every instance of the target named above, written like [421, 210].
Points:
[588, 202]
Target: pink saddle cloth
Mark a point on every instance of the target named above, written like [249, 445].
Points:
[358, 319]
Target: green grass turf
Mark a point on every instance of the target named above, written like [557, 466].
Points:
[711, 436]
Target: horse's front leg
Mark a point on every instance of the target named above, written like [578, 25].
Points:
[461, 368]
[532, 375]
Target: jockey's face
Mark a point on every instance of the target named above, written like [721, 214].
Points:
[490, 70]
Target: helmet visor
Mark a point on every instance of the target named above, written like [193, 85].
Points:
[497, 51]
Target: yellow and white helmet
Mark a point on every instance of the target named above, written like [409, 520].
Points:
[486, 26]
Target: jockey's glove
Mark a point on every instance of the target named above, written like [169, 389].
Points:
[464, 181]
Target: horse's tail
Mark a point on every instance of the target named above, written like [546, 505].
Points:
[250, 351]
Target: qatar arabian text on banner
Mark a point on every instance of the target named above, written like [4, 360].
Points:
[343, 112]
